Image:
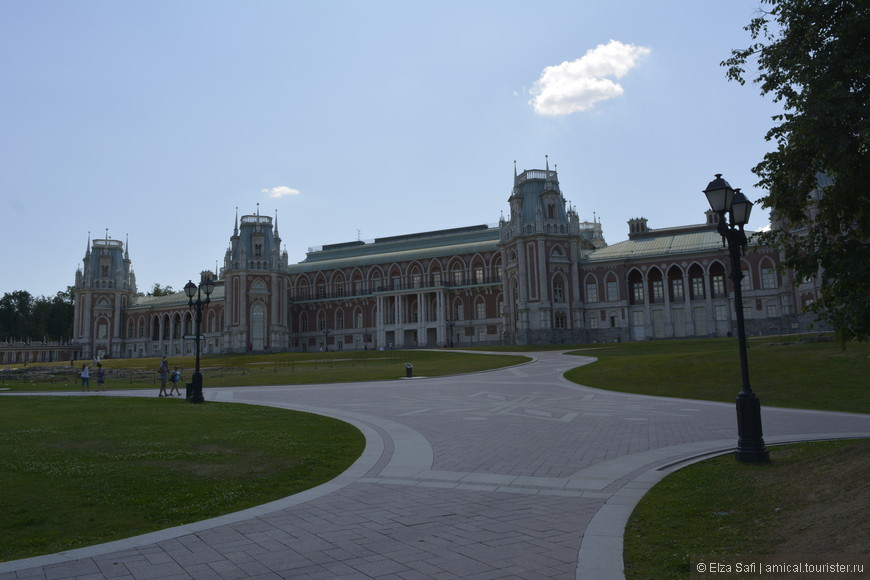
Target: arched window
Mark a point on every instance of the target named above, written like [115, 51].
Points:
[656, 285]
[635, 285]
[480, 308]
[612, 287]
[717, 280]
[696, 282]
[558, 291]
[768, 275]
[675, 284]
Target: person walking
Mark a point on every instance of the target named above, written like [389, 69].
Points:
[86, 376]
[163, 372]
[101, 377]
[176, 376]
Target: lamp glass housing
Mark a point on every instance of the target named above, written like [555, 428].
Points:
[719, 194]
[208, 286]
[190, 289]
[740, 209]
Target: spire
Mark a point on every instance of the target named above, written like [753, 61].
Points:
[88, 249]
[276, 224]
[547, 157]
[127, 247]
[236, 227]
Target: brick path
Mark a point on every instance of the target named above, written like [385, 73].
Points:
[515, 473]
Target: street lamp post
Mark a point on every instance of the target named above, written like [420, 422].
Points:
[205, 287]
[723, 199]
[326, 332]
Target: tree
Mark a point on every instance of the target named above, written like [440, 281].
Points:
[158, 290]
[813, 57]
[16, 310]
[24, 317]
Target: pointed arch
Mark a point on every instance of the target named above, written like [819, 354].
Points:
[479, 308]
[636, 287]
[590, 287]
[655, 285]
[768, 277]
[718, 287]
[611, 286]
[676, 287]
[415, 275]
[357, 282]
[497, 267]
[456, 269]
[302, 289]
[696, 282]
[376, 278]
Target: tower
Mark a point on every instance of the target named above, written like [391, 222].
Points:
[542, 243]
[256, 290]
[105, 285]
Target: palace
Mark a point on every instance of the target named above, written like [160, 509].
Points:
[541, 276]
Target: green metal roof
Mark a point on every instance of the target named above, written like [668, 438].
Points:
[172, 300]
[660, 243]
[460, 241]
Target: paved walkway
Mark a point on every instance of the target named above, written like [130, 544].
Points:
[515, 473]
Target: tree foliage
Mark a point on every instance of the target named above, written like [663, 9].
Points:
[159, 290]
[24, 317]
[812, 56]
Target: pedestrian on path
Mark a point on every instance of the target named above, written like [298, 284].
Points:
[163, 372]
[176, 376]
[101, 377]
[86, 376]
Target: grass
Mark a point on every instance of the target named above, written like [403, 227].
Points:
[78, 471]
[814, 498]
[246, 370]
[811, 375]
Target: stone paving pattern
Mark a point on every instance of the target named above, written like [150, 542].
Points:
[514, 473]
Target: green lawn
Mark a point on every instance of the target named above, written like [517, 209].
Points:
[189, 462]
[811, 375]
[78, 471]
[813, 498]
[245, 370]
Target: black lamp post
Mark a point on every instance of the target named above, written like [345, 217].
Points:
[722, 199]
[205, 287]
[326, 332]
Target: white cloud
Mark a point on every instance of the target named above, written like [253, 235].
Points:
[579, 84]
[280, 191]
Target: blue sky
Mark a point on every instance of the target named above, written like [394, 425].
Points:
[353, 120]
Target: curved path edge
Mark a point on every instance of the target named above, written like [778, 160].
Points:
[601, 550]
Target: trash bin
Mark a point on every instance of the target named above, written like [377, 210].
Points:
[188, 388]
[409, 370]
